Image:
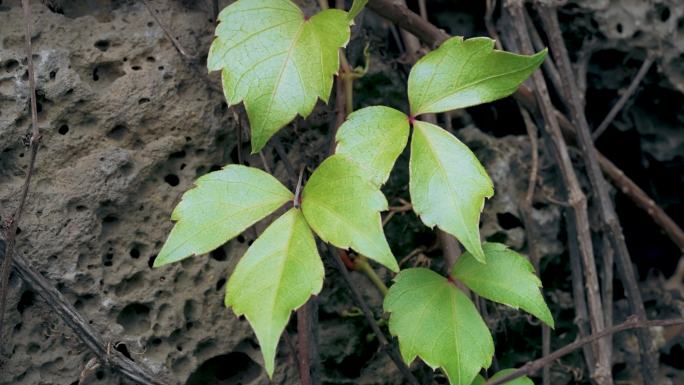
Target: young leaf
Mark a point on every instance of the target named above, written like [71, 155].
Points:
[448, 184]
[223, 204]
[343, 208]
[463, 73]
[277, 275]
[435, 321]
[277, 60]
[507, 278]
[357, 7]
[373, 138]
[524, 380]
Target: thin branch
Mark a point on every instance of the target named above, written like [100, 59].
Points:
[104, 351]
[385, 345]
[638, 196]
[409, 21]
[611, 222]
[534, 149]
[192, 60]
[304, 332]
[548, 65]
[623, 183]
[632, 323]
[576, 197]
[174, 41]
[489, 22]
[526, 209]
[34, 144]
[643, 70]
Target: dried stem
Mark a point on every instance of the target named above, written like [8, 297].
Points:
[104, 351]
[533, 366]
[34, 144]
[530, 226]
[576, 198]
[304, 342]
[612, 225]
[643, 70]
[174, 41]
[368, 314]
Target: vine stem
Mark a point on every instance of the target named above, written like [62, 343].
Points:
[578, 217]
[611, 223]
[632, 323]
[104, 350]
[34, 144]
[368, 314]
[643, 70]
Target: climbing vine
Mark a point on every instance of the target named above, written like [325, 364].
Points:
[278, 62]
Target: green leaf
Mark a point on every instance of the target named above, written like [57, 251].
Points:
[344, 208]
[278, 274]
[524, 380]
[507, 278]
[373, 138]
[448, 184]
[462, 73]
[357, 7]
[223, 204]
[435, 321]
[276, 60]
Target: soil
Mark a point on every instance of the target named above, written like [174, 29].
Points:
[128, 124]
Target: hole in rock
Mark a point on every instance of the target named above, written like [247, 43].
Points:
[508, 221]
[135, 318]
[123, 349]
[219, 254]
[134, 253]
[220, 284]
[117, 132]
[674, 358]
[172, 180]
[102, 45]
[227, 369]
[26, 301]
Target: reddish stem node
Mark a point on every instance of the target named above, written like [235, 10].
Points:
[344, 256]
[411, 119]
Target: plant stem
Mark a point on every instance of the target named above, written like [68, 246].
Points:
[368, 314]
[102, 349]
[34, 144]
[631, 323]
[612, 226]
[361, 265]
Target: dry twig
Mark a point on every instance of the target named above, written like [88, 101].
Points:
[613, 228]
[34, 144]
[631, 323]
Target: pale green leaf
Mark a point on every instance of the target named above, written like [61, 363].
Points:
[463, 73]
[343, 208]
[276, 60]
[223, 204]
[357, 7]
[278, 274]
[507, 278]
[448, 184]
[435, 321]
[524, 380]
[373, 138]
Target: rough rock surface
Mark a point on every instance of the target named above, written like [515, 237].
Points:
[127, 126]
